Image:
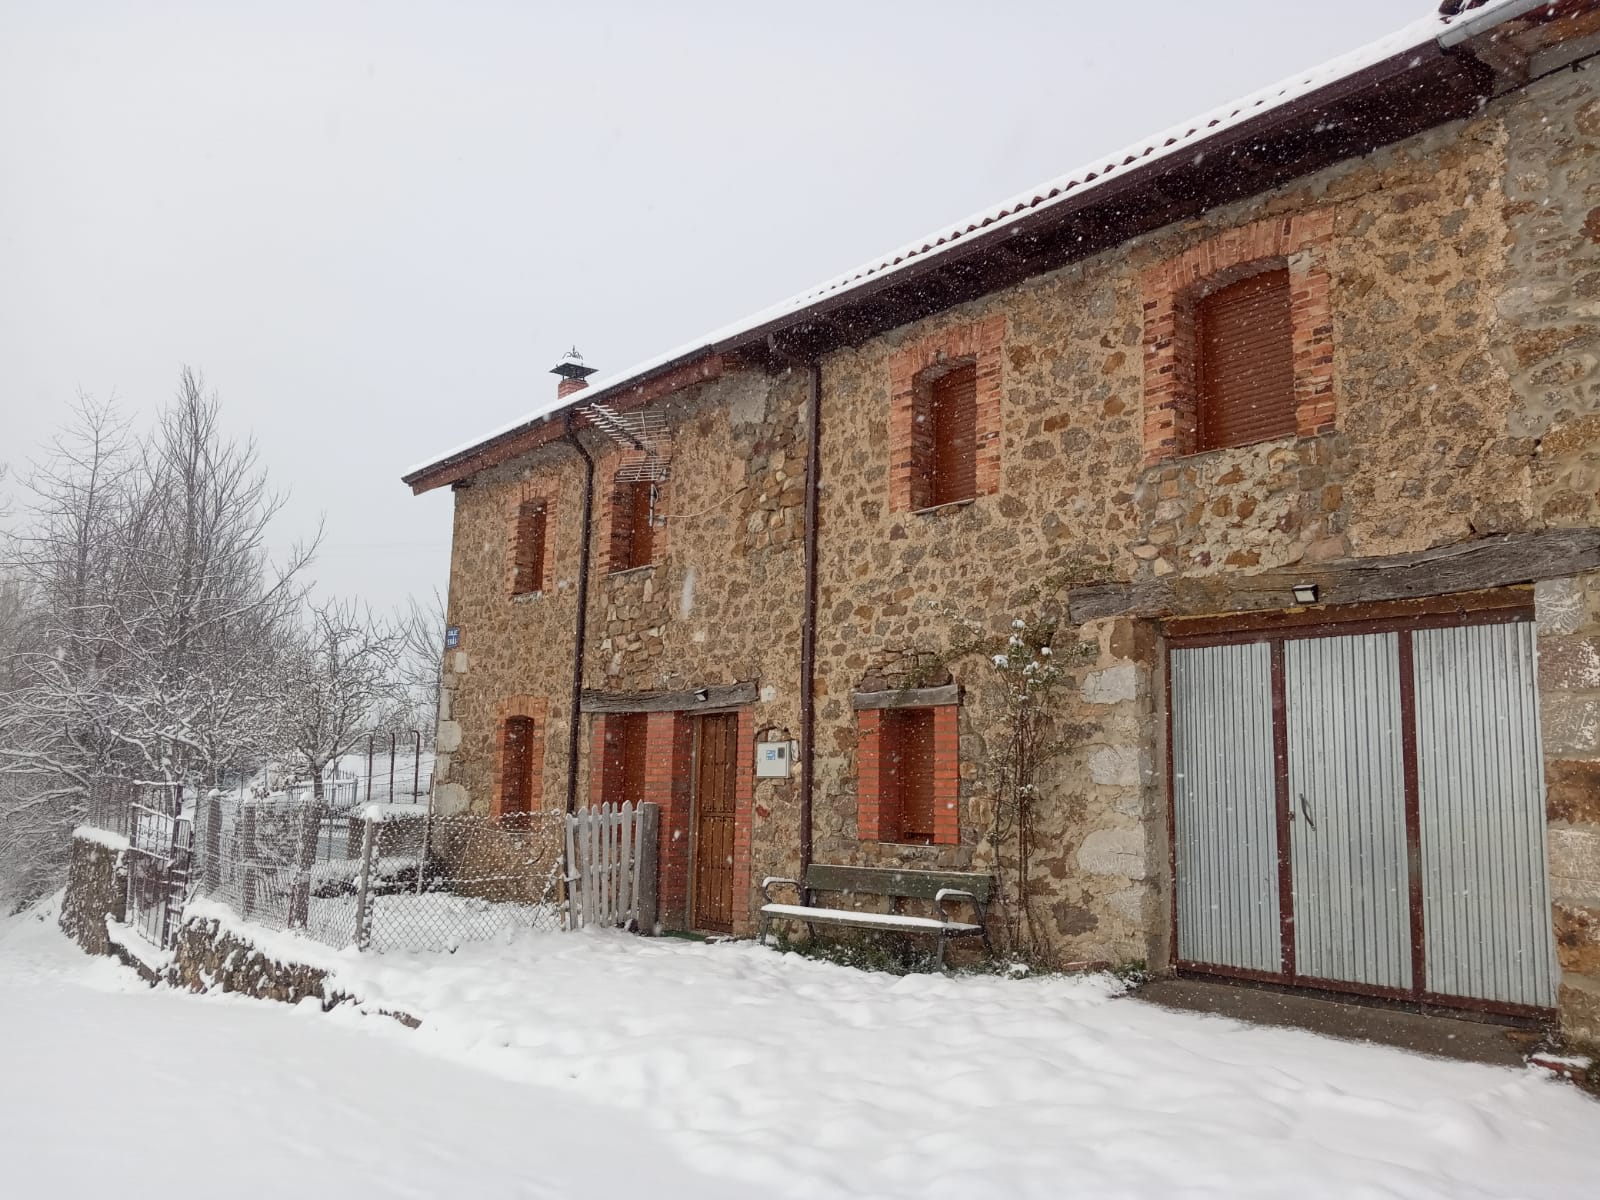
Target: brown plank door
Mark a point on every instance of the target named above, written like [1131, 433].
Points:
[715, 770]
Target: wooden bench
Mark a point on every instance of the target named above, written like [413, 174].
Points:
[941, 887]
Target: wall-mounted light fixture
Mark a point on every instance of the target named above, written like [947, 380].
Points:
[701, 695]
[1305, 593]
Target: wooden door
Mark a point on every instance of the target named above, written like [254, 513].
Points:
[716, 767]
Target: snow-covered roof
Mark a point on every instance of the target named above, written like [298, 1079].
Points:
[1180, 138]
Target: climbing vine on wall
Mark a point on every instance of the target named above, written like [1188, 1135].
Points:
[1032, 663]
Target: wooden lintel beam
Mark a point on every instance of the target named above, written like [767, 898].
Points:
[926, 697]
[1491, 562]
[714, 696]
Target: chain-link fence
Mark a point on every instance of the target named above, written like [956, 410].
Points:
[386, 877]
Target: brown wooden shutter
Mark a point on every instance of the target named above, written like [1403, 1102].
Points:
[953, 412]
[632, 534]
[1246, 367]
[906, 758]
[625, 765]
[530, 547]
[516, 774]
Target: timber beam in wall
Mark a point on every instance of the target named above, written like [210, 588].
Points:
[705, 699]
[1496, 561]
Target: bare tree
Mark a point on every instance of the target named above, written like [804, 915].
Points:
[337, 685]
[155, 617]
[420, 662]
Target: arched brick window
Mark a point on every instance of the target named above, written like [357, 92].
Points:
[530, 544]
[1238, 339]
[519, 760]
[944, 417]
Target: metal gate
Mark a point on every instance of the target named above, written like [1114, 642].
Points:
[1360, 807]
[159, 848]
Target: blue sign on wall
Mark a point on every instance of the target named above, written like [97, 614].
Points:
[452, 637]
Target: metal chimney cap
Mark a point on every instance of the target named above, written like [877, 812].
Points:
[571, 366]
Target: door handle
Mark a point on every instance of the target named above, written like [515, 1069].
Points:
[1305, 811]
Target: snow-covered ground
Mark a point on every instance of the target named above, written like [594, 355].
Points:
[597, 1065]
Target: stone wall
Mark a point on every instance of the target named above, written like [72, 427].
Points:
[1462, 270]
[1548, 344]
[721, 605]
[97, 889]
[212, 958]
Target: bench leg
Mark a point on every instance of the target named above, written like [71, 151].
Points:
[761, 931]
[938, 953]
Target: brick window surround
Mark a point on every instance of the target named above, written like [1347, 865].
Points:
[1173, 289]
[520, 496]
[912, 372]
[668, 775]
[879, 775]
[531, 709]
[615, 538]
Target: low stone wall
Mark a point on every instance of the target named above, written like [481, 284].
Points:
[97, 888]
[211, 957]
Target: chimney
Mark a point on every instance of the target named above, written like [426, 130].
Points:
[574, 375]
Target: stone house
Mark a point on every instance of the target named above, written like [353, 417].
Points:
[1288, 415]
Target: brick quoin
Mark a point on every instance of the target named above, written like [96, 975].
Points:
[743, 818]
[534, 708]
[1172, 290]
[877, 819]
[978, 343]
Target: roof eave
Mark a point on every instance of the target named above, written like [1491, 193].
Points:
[1467, 82]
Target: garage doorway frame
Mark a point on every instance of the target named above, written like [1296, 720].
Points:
[1498, 606]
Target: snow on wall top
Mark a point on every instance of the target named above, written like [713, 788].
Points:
[1177, 138]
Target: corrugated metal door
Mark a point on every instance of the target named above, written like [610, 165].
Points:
[1480, 786]
[1225, 834]
[1351, 882]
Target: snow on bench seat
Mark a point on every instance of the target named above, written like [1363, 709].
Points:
[850, 916]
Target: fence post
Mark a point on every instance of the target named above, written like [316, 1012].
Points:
[211, 870]
[569, 876]
[247, 855]
[311, 816]
[363, 917]
[645, 901]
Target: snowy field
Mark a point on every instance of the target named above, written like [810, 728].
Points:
[579, 1065]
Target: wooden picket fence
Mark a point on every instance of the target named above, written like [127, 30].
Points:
[611, 866]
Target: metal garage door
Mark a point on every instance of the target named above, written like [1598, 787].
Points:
[1364, 810]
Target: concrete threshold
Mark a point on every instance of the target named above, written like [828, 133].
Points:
[1422, 1033]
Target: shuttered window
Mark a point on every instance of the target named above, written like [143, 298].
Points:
[946, 448]
[906, 760]
[632, 531]
[1246, 363]
[626, 744]
[529, 548]
[516, 770]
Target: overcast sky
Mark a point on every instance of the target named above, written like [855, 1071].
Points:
[376, 226]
